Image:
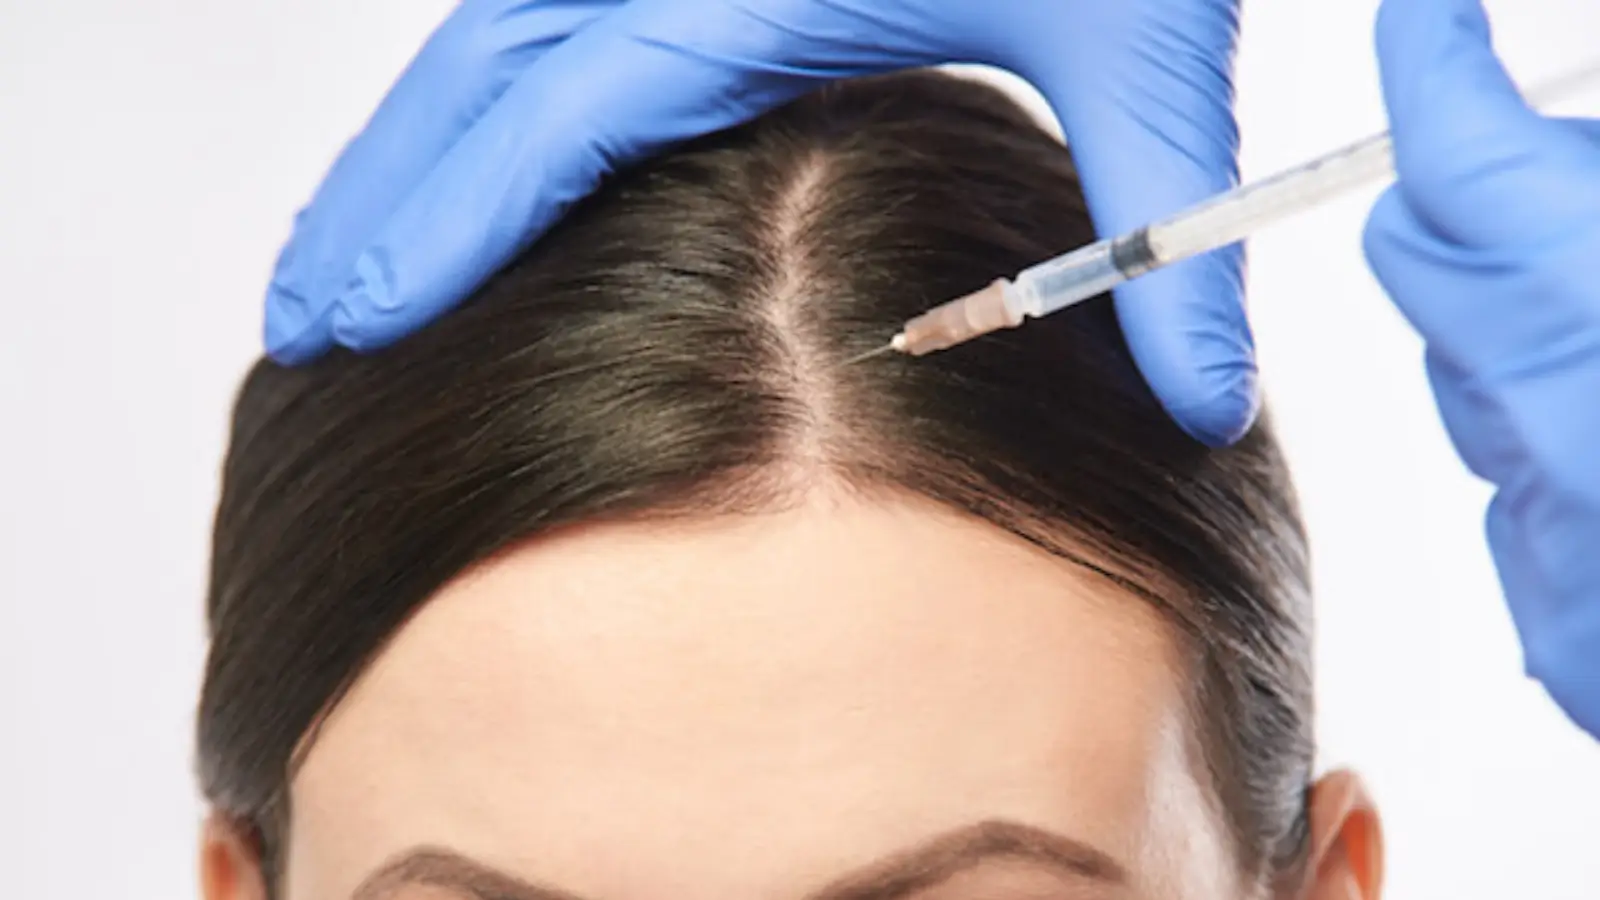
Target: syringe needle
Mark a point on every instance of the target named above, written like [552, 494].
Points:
[876, 351]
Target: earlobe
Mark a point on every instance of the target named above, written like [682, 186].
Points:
[1346, 860]
[230, 867]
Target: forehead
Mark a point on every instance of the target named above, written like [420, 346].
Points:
[752, 706]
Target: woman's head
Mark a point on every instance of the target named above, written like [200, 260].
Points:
[619, 581]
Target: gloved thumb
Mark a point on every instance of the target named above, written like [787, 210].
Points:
[1476, 164]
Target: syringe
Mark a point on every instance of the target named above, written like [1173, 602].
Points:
[1225, 219]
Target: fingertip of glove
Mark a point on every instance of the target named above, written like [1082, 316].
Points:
[358, 322]
[1187, 328]
[292, 334]
[370, 288]
[368, 315]
[1222, 408]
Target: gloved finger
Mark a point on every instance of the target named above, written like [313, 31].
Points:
[1152, 132]
[569, 121]
[1465, 141]
[458, 74]
[1530, 437]
[1478, 309]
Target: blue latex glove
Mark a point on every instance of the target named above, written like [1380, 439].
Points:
[1490, 245]
[514, 110]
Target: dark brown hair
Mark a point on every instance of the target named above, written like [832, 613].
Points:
[675, 347]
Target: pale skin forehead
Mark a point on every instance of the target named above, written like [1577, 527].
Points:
[758, 706]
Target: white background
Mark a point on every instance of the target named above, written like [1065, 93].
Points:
[151, 155]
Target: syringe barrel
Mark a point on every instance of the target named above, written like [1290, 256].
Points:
[1235, 215]
[1058, 283]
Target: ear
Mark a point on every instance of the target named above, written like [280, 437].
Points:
[1346, 861]
[230, 866]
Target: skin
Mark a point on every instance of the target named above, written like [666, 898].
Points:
[851, 699]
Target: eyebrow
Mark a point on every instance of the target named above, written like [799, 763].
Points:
[899, 875]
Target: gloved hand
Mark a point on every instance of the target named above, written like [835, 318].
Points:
[1490, 245]
[515, 109]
